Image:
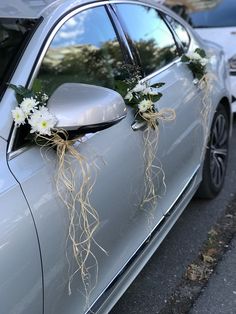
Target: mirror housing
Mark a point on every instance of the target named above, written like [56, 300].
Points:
[83, 108]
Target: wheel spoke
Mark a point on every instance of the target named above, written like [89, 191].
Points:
[219, 150]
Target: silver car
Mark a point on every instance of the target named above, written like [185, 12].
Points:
[53, 43]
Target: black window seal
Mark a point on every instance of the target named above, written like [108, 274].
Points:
[165, 17]
[125, 48]
[129, 41]
[178, 43]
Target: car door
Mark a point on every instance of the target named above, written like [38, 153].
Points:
[180, 141]
[86, 50]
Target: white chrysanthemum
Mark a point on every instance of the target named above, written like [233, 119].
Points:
[18, 116]
[145, 105]
[139, 88]
[34, 120]
[42, 121]
[195, 56]
[28, 105]
[150, 91]
[204, 61]
[45, 125]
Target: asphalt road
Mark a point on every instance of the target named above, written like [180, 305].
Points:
[152, 288]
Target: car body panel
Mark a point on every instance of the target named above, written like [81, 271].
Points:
[225, 37]
[21, 287]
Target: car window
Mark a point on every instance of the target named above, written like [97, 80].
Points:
[150, 34]
[180, 31]
[84, 50]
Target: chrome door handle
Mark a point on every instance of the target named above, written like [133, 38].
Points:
[139, 125]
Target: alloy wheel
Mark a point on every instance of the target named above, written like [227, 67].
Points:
[219, 150]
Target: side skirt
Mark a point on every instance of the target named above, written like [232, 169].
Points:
[129, 272]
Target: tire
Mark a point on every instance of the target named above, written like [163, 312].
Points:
[216, 157]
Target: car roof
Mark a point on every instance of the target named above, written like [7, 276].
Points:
[27, 8]
[36, 8]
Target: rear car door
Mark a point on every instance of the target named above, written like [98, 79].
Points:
[180, 141]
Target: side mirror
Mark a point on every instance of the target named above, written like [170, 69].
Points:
[83, 108]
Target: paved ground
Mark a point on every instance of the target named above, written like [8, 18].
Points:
[219, 296]
[152, 290]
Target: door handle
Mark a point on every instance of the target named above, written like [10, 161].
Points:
[139, 125]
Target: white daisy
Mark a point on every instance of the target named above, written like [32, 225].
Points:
[139, 88]
[204, 61]
[42, 121]
[150, 91]
[28, 105]
[18, 116]
[145, 105]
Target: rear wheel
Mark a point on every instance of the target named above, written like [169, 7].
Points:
[215, 163]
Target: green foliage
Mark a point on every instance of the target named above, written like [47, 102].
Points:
[201, 52]
[155, 98]
[21, 92]
[37, 86]
[184, 58]
[196, 65]
[121, 87]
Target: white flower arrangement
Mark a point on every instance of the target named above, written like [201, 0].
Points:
[197, 62]
[32, 110]
[142, 97]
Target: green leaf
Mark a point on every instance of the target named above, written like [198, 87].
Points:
[21, 91]
[156, 97]
[184, 58]
[121, 87]
[201, 52]
[37, 86]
